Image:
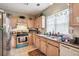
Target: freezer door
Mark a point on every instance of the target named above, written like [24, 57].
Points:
[1, 34]
[1, 19]
[0, 42]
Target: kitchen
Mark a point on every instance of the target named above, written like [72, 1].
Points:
[42, 29]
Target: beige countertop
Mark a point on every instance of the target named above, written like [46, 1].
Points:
[58, 40]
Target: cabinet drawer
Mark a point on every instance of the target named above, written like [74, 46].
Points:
[52, 50]
[53, 43]
[41, 38]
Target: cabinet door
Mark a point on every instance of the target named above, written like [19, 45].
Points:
[0, 42]
[64, 50]
[37, 42]
[43, 46]
[71, 15]
[30, 23]
[14, 21]
[38, 22]
[68, 51]
[34, 39]
[74, 15]
[52, 50]
[30, 39]
[75, 52]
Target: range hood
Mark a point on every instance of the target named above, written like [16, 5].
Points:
[21, 28]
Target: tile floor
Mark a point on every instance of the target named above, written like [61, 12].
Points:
[21, 51]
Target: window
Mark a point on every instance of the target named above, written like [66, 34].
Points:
[50, 23]
[58, 22]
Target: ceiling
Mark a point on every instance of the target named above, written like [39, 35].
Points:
[56, 7]
[24, 8]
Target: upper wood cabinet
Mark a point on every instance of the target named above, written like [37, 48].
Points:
[74, 14]
[40, 22]
[13, 21]
[30, 23]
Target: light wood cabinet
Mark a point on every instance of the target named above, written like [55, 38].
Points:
[14, 21]
[48, 47]
[34, 39]
[52, 50]
[38, 42]
[30, 38]
[68, 51]
[43, 46]
[74, 15]
[13, 41]
[38, 22]
[54, 43]
[30, 23]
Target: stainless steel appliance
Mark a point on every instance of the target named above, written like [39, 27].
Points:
[76, 40]
[3, 35]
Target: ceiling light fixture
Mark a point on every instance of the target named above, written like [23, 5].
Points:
[26, 3]
[38, 4]
[51, 3]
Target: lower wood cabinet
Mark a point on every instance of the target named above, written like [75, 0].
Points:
[34, 39]
[37, 42]
[43, 46]
[52, 50]
[30, 39]
[66, 50]
[47, 47]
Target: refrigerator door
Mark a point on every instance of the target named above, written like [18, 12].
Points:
[1, 43]
[6, 42]
[1, 47]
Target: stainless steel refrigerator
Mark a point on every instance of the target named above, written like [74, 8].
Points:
[1, 33]
[3, 36]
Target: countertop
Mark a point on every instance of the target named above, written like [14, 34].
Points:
[59, 41]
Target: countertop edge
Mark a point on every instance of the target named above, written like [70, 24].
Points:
[65, 43]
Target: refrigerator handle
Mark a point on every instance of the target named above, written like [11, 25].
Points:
[1, 28]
